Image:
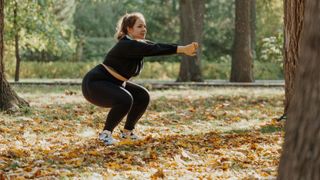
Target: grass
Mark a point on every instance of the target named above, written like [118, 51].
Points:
[238, 131]
[42, 89]
[217, 133]
[271, 129]
[152, 70]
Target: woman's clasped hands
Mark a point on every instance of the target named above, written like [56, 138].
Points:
[189, 50]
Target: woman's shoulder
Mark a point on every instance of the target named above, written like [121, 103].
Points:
[126, 40]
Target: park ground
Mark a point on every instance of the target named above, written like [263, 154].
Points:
[199, 133]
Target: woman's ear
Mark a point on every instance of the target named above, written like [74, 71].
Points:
[129, 30]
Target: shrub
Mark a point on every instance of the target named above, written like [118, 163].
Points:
[151, 70]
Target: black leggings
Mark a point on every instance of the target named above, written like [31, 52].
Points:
[102, 89]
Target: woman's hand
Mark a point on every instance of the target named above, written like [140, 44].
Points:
[189, 50]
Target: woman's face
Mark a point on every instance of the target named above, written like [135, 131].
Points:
[139, 29]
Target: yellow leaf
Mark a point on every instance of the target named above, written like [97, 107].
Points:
[158, 174]
[254, 146]
[78, 162]
[28, 168]
[4, 129]
[192, 109]
[14, 152]
[112, 165]
[264, 174]
[37, 173]
[94, 153]
[225, 166]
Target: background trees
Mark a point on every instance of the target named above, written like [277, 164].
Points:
[82, 31]
[45, 29]
[191, 18]
[8, 98]
[95, 23]
[300, 155]
[242, 61]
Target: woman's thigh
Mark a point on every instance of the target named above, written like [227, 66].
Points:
[107, 94]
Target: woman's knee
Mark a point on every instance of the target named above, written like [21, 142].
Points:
[125, 101]
[139, 93]
[147, 96]
[144, 97]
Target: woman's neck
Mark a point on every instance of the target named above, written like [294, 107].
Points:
[130, 37]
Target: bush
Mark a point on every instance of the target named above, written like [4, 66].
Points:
[96, 47]
[151, 70]
[267, 70]
[49, 70]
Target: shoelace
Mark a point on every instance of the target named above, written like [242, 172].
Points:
[126, 135]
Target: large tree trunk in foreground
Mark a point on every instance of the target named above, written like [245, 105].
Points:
[8, 98]
[301, 150]
[191, 17]
[293, 21]
[242, 64]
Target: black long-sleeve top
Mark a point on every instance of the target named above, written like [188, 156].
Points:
[126, 57]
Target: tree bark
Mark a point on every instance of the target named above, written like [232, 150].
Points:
[301, 150]
[9, 100]
[79, 49]
[242, 64]
[191, 17]
[16, 40]
[293, 22]
[253, 27]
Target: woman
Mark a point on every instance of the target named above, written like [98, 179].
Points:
[107, 84]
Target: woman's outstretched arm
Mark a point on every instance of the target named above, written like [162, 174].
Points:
[134, 48]
[190, 49]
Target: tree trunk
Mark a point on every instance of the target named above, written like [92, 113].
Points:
[79, 49]
[16, 38]
[253, 24]
[293, 21]
[242, 65]
[301, 151]
[191, 17]
[8, 98]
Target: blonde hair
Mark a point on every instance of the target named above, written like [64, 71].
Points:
[126, 21]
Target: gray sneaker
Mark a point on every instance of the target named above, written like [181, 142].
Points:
[106, 137]
[126, 134]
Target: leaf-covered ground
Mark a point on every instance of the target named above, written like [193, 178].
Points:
[214, 133]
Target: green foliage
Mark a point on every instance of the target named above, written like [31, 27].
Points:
[96, 47]
[267, 70]
[271, 129]
[269, 18]
[95, 23]
[97, 19]
[59, 69]
[215, 70]
[162, 18]
[218, 29]
[44, 28]
[152, 70]
[159, 70]
[270, 31]
[54, 30]
[271, 49]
